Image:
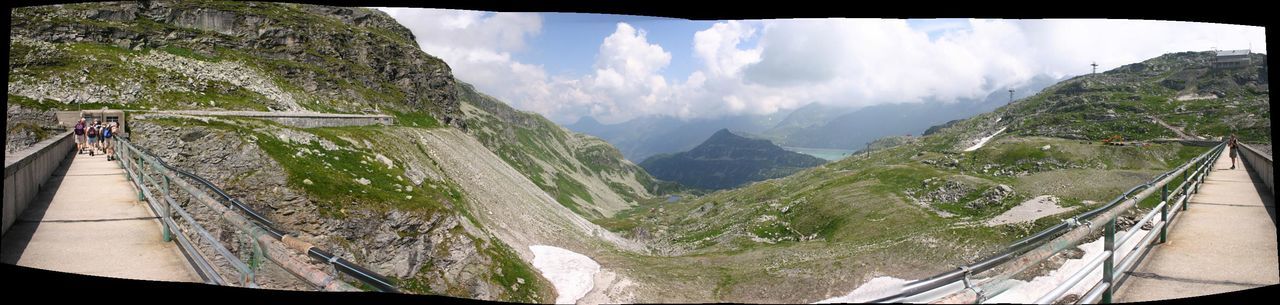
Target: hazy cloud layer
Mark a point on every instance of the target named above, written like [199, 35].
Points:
[853, 62]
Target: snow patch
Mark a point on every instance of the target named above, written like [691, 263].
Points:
[871, 290]
[1193, 96]
[571, 273]
[1030, 210]
[984, 140]
[1027, 292]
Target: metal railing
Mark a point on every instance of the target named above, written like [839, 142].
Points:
[1113, 274]
[256, 238]
[964, 285]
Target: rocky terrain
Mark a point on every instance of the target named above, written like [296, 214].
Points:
[362, 202]
[1134, 100]
[453, 198]
[225, 55]
[24, 127]
[434, 247]
[937, 191]
[583, 173]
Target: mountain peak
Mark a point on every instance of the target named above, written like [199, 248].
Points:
[728, 160]
[723, 133]
[587, 122]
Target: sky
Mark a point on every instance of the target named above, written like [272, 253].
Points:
[615, 67]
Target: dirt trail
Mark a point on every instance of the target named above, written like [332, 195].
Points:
[1178, 131]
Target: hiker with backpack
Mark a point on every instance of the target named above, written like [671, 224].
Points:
[108, 135]
[92, 133]
[79, 136]
[98, 128]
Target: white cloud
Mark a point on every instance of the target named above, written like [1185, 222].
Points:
[478, 47]
[851, 62]
[718, 47]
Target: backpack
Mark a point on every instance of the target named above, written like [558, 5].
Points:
[93, 131]
[79, 128]
[106, 132]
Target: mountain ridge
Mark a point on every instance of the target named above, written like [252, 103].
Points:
[728, 160]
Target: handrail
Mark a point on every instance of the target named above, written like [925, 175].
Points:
[1110, 279]
[1034, 249]
[268, 241]
[347, 267]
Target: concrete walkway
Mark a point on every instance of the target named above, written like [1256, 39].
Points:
[1225, 241]
[89, 221]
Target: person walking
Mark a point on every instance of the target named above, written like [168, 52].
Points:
[92, 133]
[108, 136]
[79, 136]
[1231, 145]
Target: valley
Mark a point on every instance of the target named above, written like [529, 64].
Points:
[465, 195]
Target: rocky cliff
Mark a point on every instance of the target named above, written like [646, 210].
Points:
[226, 55]
[24, 127]
[357, 192]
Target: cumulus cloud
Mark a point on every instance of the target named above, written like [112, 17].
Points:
[859, 62]
[478, 47]
[626, 71]
[789, 63]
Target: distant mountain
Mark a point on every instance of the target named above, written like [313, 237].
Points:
[813, 114]
[854, 129]
[727, 160]
[814, 125]
[642, 137]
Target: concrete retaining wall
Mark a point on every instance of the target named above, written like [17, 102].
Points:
[1260, 163]
[27, 171]
[297, 119]
[309, 122]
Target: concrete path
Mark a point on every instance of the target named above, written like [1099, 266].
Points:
[89, 221]
[1225, 241]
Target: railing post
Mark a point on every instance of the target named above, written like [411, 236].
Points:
[140, 169]
[1164, 212]
[1108, 267]
[165, 209]
[1186, 192]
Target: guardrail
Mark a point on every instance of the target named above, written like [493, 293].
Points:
[1114, 274]
[1260, 163]
[965, 286]
[156, 179]
[27, 171]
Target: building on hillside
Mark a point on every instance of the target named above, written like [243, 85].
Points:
[69, 118]
[1231, 59]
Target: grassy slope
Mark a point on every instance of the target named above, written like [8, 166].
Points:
[853, 219]
[1120, 102]
[328, 178]
[583, 173]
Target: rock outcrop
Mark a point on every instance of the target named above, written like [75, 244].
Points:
[318, 58]
[403, 244]
[24, 127]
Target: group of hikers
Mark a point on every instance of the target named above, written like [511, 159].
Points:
[96, 138]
